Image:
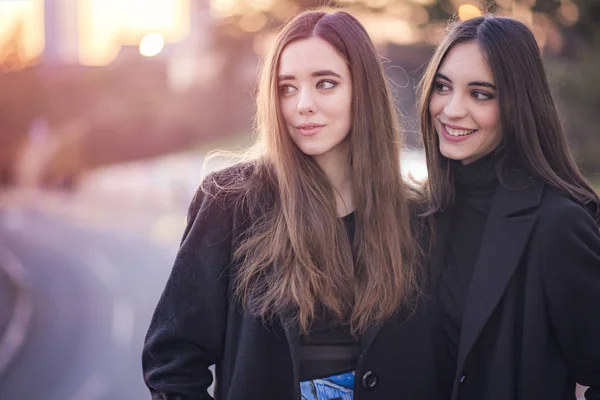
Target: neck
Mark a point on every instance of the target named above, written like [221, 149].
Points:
[336, 165]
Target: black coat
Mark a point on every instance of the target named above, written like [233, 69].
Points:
[197, 325]
[531, 327]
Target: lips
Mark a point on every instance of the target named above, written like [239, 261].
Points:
[456, 133]
[459, 132]
[309, 129]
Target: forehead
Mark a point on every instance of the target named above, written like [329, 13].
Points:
[311, 54]
[466, 62]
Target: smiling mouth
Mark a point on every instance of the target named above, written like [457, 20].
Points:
[459, 132]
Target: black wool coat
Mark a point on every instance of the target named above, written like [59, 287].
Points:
[531, 327]
[196, 324]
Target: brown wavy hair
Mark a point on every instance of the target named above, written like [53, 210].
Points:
[296, 254]
[532, 135]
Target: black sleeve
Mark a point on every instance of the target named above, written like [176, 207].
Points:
[571, 268]
[187, 331]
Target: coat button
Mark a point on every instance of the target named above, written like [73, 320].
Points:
[462, 378]
[369, 380]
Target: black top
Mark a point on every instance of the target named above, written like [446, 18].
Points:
[475, 185]
[329, 349]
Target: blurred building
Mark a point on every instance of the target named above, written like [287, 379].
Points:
[114, 80]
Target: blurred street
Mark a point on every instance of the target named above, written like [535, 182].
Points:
[94, 272]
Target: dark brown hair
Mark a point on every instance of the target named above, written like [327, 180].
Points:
[296, 254]
[532, 134]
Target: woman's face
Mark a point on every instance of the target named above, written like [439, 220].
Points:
[464, 105]
[315, 90]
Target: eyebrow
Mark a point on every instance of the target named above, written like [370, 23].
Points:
[324, 72]
[473, 83]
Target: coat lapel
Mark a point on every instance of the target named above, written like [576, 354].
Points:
[367, 339]
[506, 234]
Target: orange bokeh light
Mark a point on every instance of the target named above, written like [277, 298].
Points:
[468, 11]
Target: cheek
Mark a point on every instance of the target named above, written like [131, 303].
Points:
[287, 110]
[347, 111]
[337, 107]
[490, 120]
[341, 101]
[436, 104]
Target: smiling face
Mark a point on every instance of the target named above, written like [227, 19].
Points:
[464, 105]
[315, 90]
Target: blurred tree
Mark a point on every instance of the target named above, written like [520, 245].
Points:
[577, 84]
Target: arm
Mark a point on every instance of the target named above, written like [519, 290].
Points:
[571, 270]
[187, 331]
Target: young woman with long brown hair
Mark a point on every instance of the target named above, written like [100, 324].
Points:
[518, 244]
[299, 272]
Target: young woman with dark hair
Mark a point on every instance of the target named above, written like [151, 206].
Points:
[300, 271]
[517, 240]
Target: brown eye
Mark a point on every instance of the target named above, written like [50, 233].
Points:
[441, 87]
[480, 95]
[326, 84]
[286, 89]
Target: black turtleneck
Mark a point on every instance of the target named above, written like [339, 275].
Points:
[475, 185]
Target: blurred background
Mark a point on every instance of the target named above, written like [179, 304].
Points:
[107, 110]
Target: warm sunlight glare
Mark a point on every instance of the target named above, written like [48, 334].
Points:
[106, 25]
[30, 16]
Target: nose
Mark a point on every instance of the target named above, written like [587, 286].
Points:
[306, 103]
[455, 107]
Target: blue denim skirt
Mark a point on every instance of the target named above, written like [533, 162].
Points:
[337, 387]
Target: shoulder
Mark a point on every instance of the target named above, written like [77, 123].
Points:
[228, 178]
[563, 220]
[240, 189]
[558, 208]
[219, 192]
[224, 186]
[216, 202]
[568, 247]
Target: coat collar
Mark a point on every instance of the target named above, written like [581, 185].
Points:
[506, 234]
[517, 194]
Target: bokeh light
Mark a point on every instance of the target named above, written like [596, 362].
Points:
[261, 5]
[252, 23]
[468, 11]
[223, 8]
[152, 44]
[568, 13]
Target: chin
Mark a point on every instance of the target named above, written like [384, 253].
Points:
[453, 155]
[312, 152]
